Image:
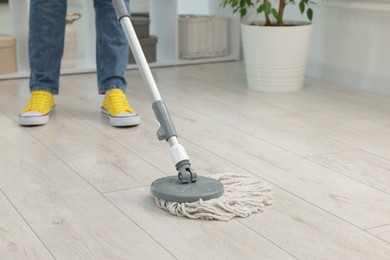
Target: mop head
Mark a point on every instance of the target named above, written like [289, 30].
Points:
[243, 196]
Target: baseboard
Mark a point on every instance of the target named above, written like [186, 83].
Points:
[355, 79]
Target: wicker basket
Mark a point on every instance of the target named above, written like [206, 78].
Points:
[202, 36]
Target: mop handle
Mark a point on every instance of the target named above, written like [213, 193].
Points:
[167, 130]
[135, 46]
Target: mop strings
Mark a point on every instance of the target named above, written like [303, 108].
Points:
[243, 196]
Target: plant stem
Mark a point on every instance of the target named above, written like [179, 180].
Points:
[282, 5]
[267, 20]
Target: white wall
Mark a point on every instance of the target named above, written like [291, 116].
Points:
[5, 19]
[351, 45]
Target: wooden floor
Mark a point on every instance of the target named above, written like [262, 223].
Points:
[78, 188]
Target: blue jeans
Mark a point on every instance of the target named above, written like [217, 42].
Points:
[46, 44]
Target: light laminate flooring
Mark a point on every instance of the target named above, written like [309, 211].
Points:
[78, 188]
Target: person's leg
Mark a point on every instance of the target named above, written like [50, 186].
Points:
[46, 43]
[111, 48]
[112, 52]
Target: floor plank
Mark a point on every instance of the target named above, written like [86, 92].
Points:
[293, 224]
[102, 162]
[361, 166]
[343, 103]
[382, 232]
[70, 217]
[17, 240]
[376, 106]
[190, 239]
[229, 79]
[256, 123]
[373, 139]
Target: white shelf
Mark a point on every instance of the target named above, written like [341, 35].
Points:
[164, 24]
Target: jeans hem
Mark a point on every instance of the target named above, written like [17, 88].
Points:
[47, 89]
[104, 89]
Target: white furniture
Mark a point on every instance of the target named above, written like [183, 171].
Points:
[164, 24]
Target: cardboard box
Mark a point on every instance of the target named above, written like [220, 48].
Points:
[141, 25]
[148, 45]
[7, 54]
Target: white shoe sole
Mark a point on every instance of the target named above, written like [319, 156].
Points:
[34, 118]
[125, 119]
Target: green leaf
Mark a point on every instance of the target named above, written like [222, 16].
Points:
[260, 9]
[302, 6]
[310, 14]
[268, 8]
[275, 14]
[243, 12]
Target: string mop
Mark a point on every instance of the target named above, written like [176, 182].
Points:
[243, 196]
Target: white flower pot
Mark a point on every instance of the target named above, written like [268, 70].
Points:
[276, 56]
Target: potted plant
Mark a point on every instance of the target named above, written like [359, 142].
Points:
[275, 50]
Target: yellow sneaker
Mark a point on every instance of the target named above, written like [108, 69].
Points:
[39, 108]
[118, 110]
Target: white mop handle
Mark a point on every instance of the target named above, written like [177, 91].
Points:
[139, 56]
[178, 153]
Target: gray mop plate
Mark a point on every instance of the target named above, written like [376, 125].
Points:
[171, 189]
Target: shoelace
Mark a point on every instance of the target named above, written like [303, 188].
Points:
[38, 102]
[119, 103]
